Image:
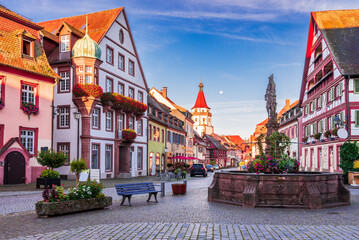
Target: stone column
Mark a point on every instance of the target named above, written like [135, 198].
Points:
[85, 106]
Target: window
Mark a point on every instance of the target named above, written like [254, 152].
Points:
[89, 69]
[109, 55]
[140, 97]
[26, 47]
[96, 118]
[28, 139]
[63, 119]
[131, 123]
[121, 62]
[168, 136]
[65, 43]
[120, 122]
[121, 89]
[139, 158]
[109, 121]
[139, 127]
[95, 156]
[81, 79]
[108, 157]
[96, 76]
[340, 89]
[28, 94]
[357, 118]
[150, 132]
[65, 149]
[109, 84]
[64, 84]
[158, 134]
[163, 136]
[88, 79]
[154, 133]
[121, 36]
[131, 93]
[131, 68]
[132, 149]
[356, 85]
[81, 69]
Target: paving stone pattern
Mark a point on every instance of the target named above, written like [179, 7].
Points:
[152, 230]
[188, 216]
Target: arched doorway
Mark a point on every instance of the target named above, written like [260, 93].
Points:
[163, 162]
[14, 170]
[158, 162]
[150, 163]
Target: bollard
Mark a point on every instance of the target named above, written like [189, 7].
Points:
[185, 182]
[162, 189]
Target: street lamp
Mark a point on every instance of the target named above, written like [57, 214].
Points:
[77, 116]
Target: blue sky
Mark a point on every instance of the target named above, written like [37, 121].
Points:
[232, 45]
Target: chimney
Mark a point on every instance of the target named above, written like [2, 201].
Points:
[164, 91]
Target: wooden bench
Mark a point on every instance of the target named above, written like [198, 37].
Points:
[127, 190]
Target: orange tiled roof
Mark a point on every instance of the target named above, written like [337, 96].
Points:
[337, 19]
[10, 46]
[99, 22]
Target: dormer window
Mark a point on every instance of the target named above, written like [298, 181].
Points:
[26, 47]
[65, 43]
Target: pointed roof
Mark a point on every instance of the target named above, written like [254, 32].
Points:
[201, 100]
[99, 22]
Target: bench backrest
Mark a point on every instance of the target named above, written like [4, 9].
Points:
[133, 188]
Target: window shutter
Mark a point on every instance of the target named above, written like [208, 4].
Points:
[315, 105]
[320, 126]
[333, 93]
[356, 85]
[356, 118]
[341, 116]
[325, 125]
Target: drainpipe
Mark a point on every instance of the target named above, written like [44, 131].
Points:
[347, 106]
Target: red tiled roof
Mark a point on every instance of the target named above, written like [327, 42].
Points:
[99, 22]
[201, 101]
[11, 26]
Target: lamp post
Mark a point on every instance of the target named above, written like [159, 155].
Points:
[338, 121]
[77, 116]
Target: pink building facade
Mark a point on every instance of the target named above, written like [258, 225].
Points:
[26, 79]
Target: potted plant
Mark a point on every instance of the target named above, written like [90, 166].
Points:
[2, 104]
[87, 196]
[51, 160]
[77, 166]
[128, 135]
[317, 135]
[335, 132]
[305, 139]
[30, 108]
[327, 134]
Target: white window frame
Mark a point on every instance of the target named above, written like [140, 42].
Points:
[96, 118]
[121, 87]
[64, 117]
[109, 55]
[131, 67]
[121, 122]
[95, 147]
[65, 43]
[131, 93]
[109, 84]
[88, 69]
[28, 140]
[131, 123]
[28, 94]
[88, 79]
[139, 128]
[139, 158]
[121, 61]
[65, 149]
[65, 82]
[108, 149]
[140, 97]
[109, 121]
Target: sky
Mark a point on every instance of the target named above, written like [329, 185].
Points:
[232, 45]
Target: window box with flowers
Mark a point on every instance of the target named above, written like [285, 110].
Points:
[87, 90]
[2, 104]
[87, 196]
[30, 108]
[305, 139]
[128, 135]
[126, 104]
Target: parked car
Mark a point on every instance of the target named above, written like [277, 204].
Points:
[198, 169]
[209, 167]
[216, 167]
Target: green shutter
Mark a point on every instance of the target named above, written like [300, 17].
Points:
[356, 118]
[356, 85]
[340, 88]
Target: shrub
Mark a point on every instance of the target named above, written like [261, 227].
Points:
[128, 135]
[348, 153]
[77, 166]
[212, 162]
[88, 189]
[87, 90]
[49, 173]
[169, 165]
[51, 159]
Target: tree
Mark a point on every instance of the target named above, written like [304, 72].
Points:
[278, 142]
[348, 153]
[77, 166]
[51, 159]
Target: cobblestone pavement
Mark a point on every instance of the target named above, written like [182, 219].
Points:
[183, 231]
[189, 216]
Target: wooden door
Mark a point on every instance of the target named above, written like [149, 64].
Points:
[14, 171]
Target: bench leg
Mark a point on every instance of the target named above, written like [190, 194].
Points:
[156, 197]
[149, 197]
[123, 199]
[129, 200]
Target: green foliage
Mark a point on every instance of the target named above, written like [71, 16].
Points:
[335, 132]
[169, 165]
[348, 153]
[278, 143]
[49, 173]
[317, 136]
[212, 162]
[88, 189]
[285, 164]
[51, 159]
[77, 166]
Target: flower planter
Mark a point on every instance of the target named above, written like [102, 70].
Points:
[48, 182]
[49, 209]
[179, 188]
[313, 190]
